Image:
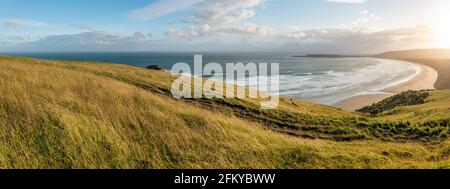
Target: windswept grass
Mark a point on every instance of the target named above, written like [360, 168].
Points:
[57, 114]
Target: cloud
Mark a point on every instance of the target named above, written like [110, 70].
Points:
[347, 1]
[208, 18]
[17, 23]
[218, 18]
[7, 40]
[137, 37]
[81, 39]
[353, 42]
[365, 18]
[12, 23]
[219, 12]
[11, 40]
[187, 32]
[294, 34]
[324, 40]
[220, 30]
[92, 39]
[161, 8]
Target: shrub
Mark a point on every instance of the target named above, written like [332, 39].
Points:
[403, 99]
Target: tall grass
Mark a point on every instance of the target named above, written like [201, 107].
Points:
[56, 114]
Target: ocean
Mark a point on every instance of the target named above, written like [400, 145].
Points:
[320, 80]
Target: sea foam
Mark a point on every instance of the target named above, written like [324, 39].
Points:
[330, 86]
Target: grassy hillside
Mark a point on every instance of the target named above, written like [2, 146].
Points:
[57, 114]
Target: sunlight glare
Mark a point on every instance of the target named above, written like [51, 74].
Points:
[441, 26]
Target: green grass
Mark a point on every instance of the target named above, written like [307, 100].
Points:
[407, 98]
[59, 114]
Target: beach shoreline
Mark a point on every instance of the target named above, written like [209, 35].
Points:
[425, 80]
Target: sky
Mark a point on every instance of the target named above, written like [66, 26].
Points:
[309, 26]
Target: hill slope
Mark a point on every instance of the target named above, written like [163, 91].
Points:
[57, 114]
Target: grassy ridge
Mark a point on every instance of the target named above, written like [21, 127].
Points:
[57, 114]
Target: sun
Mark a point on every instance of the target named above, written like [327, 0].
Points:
[442, 33]
[441, 26]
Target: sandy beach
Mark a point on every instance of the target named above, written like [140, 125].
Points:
[439, 59]
[423, 81]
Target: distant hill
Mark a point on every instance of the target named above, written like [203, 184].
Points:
[418, 54]
[329, 56]
[63, 114]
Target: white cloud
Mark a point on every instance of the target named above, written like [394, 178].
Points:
[294, 34]
[219, 17]
[220, 12]
[220, 30]
[347, 1]
[161, 8]
[365, 20]
[187, 32]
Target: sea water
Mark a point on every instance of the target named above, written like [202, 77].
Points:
[320, 80]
